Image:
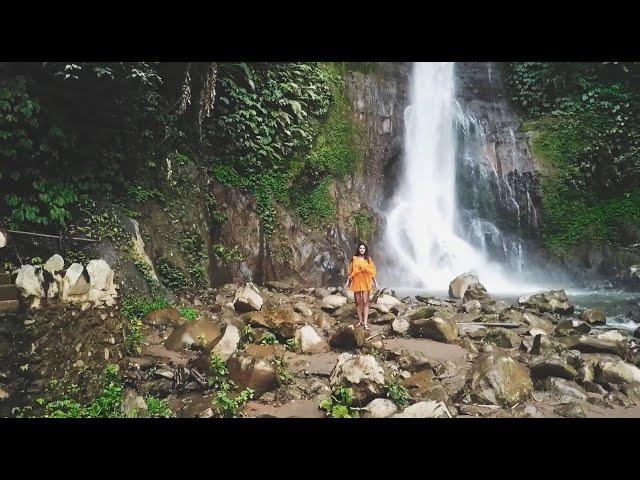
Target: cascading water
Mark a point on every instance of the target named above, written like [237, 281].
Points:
[422, 234]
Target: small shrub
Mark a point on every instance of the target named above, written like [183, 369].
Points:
[340, 404]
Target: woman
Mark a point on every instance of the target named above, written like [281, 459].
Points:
[362, 275]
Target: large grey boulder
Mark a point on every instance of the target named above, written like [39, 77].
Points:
[247, 298]
[554, 301]
[362, 373]
[498, 379]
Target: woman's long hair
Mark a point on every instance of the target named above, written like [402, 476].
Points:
[366, 251]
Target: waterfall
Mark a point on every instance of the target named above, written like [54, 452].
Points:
[424, 237]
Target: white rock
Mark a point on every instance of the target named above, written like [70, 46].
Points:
[333, 302]
[356, 369]
[228, 343]
[612, 335]
[55, 263]
[310, 342]
[388, 300]
[100, 275]
[3, 239]
[74, 272]
[138, 248]
[30, 283]
[248, 298]
[208, 413]
[618, 371]
[461, 283]
[427, 409]
[380, 408]
[400, 325]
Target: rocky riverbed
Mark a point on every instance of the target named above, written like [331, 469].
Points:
[299, 352]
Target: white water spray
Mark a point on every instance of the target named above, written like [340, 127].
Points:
[421, 223]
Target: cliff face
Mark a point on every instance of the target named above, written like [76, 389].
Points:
[497, 175]
[296, 251]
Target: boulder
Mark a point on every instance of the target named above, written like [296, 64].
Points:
[538, 322]
[459, 286]
[30, 283]
[228, 343]
[494, 307]
[424, 386]
[427, 409]
[303, 309]
[253, 368]
[387, 302]
[320, 292]
[587, 344]
[554, 301]
[247, 298]
[475, 291]
[100, 279]
[422, 312]
[572, 327]
[3, 239]
[434, 328]
[400, 325]
[594, 316]
[380, 408]
[282, 321]
[202, 333]
[282, 287]
[133, 405]
[616, 371]
[498, 379]
[167, 317]
[348, 338]
[310, 342]
[632, 391]
[571, 410]
[362, 374]
[331, 303]
[413, 360]
[472, 306]
[612, 335]
[54, 264]
[552, 366]
[503, 337]
[564, 387]
[75, 281]
[383, 319]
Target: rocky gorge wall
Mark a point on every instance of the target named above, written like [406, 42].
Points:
[315, 256]
[497, 174]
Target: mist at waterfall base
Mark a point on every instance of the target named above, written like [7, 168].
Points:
[424, 248]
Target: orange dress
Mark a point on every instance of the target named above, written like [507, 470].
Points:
[361, 273]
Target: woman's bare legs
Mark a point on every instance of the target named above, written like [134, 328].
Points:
[359, 309]
[365, 308]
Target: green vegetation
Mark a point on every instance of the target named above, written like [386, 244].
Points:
[107, 405]
[226, 403]
[364, 225]
[397, 393]
[227, 254]
[340, 404]
[586, 123]
[268, 339]
[292, 345]
[134, 308]
[283, 376]
[189, 313]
